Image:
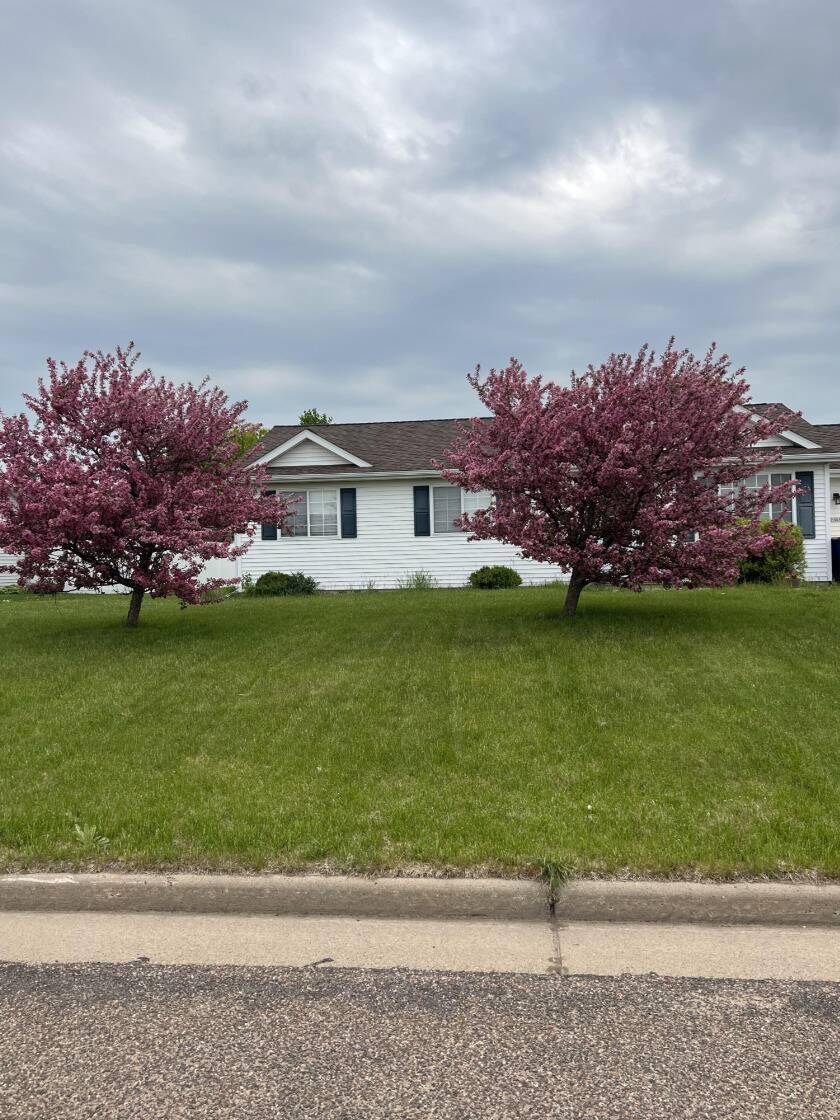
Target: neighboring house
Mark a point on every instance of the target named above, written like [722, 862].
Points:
[373, 509]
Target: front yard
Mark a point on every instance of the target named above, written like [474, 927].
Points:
[666, 733]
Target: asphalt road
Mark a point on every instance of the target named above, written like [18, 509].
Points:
[141, 1040]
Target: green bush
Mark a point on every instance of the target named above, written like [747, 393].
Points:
[285, 583]
[782, 560]
[492, 576]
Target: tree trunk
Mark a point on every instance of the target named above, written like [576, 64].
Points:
[134, 606]
[576, 585]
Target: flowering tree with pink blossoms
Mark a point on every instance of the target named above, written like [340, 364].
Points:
[124, 479]
[617, 477]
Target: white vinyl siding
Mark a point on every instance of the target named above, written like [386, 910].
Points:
[308, 453]
[386, 549]
[7, 578]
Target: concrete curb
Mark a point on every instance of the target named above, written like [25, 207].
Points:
[776, 904]
[323, 896]
[503, 899]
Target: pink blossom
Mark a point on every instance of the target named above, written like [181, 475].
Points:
[616, 477]
[124, 479]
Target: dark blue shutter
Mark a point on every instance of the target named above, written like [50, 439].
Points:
[422, 519]
[805, 504]
[268, 532]
[348, 512]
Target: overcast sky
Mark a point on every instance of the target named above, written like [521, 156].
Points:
[349, 205]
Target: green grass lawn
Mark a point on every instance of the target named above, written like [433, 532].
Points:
[666, 733]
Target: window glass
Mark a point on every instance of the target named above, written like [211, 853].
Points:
[781, 510]
[323, 513]
[481, 499]
[296, 525]
[447, 501]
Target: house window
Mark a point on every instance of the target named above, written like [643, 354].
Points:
[447, 507]
[473, 500]
[323, 513]
[783, 511]
[314, 513]
[449, 502]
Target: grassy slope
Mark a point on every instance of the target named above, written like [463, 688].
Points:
[447, 727]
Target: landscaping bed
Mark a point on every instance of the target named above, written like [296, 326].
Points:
[668, 733]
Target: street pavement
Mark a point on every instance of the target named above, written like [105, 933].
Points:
[144, 1040]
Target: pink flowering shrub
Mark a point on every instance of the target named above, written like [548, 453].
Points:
[123, 479]
[616, 477]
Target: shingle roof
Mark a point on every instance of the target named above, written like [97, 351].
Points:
[388, 445]
[414, 445]
[827, 436]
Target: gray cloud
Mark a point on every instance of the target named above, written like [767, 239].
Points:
[350, 204]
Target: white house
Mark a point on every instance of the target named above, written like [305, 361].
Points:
[373, 509]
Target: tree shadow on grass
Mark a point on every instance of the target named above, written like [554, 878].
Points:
[615, 613]
[604, 613]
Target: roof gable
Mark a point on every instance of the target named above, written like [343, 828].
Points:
[799, 433]
[308, 448]
[788, 439]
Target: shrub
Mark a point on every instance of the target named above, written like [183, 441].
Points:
[285, 583]
[15, 589]
[783, 559]
[492, 576]
[418, 581]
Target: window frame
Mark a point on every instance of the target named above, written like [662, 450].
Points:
[309, 535]
[453, 530]
[790, 476]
